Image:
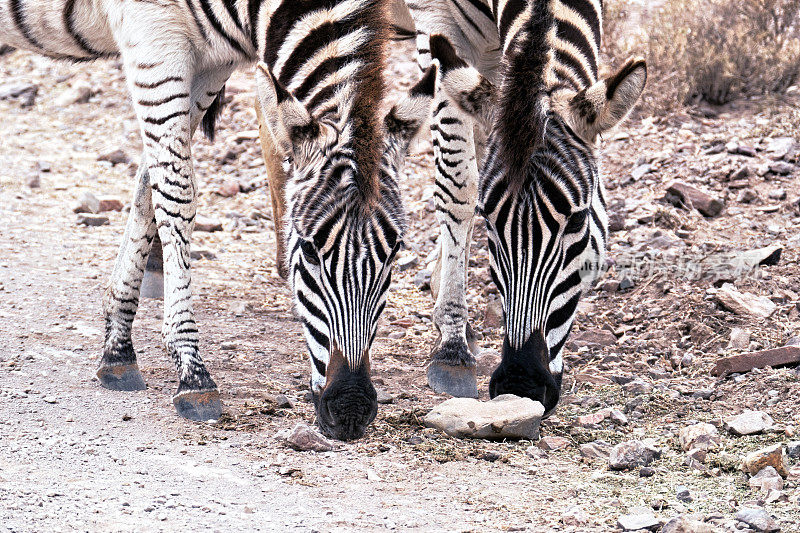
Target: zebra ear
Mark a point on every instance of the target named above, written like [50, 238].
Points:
[405, 120]
[286, 117]
[605, 104]
[465, 86]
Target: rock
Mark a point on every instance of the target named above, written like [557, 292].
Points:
[85, 219]
[793, 449]
[597, 449]
[747, 151]
[116, 157]
[422, 280]
[591, 420]
[407, 261]
[592, 337]
[384, 397]
[772, 456]
[33, 181]
[24, 92]
[785, 355]
[283, 401]
[229, 188]
[683, 494]
[109, 203]
[647, 471]
[746, 304]
[625, 284]
[739, 339]
[618, 417]
[757, 519]
[87, 203]
[741, 173]
[702, 435]
[207, 224]
[638, 386]
[683, 524]
[506, 416]
[636, 522]
[77, 94]
[202, 253]
[766, 480]
[303, 438]
[641, 170]
[780, 145]
[777, 194]
[696, 458]
[552, 443]
[632, 454]
[574, 516]
[616, 221]
[748, 423]
[680, 193]
[487, 361]
[747, 196]
[781, 168]
[493, 314]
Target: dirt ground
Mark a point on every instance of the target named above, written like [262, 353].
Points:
[74, 456]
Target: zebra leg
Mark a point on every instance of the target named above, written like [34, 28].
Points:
[277, 188]
[118, 369]
[453, 367]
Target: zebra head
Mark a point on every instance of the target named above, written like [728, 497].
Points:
[342, 238]
[542, 198]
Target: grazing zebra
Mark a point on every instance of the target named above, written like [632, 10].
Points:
[319, 85]
[527, 73]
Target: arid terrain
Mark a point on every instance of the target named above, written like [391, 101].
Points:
[74, 456]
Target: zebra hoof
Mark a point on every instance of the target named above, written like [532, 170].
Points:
[121, 377]
[459, 381]
[198, 405]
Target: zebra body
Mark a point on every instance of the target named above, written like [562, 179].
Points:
[177, 55]
[528, 72]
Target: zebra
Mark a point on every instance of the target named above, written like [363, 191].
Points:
[525, 73]
[319, 87]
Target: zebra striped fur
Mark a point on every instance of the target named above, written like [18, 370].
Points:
[177, 57]
[540, 189]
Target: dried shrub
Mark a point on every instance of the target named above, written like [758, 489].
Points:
[708, 50]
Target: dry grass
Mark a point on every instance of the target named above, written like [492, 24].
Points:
[712, 51]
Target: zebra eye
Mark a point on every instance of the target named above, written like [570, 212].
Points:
[309, 252]
[575, 221]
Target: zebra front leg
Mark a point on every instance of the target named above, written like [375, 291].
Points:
[453, 367]
[118, 369]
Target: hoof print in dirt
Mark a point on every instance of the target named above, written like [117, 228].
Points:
[121, 377]
[200, 406]
[459, 381]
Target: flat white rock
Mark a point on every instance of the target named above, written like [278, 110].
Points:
[505, 417]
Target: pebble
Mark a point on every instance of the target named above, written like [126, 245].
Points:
[50, 399]
[487, 361]
[552, 443]
[384, 397]
[757, 519]
[647, 471]
[739, 339]
[228, 345]
[636, 522]
[493, 314]
[207, 224]
[777, 194]
[793, 449]
[202, 253]
[772, 456]
[77, 94]
[87, 203]
[747, 196]
[683, 494]
[746, 304]
[407, 261]
[632, 454]
[85, 219]
[282, 401]
[422, 280]
[767, 479]
[597, 449]
[304, 438]
[748, 423]
[703, 436]
[574, 516]
[683, 524]
[33, 180]
[115, 157]
[229, 188]
[109, 203]
[24, 92]
[781, 168]
[591, 337]
[506, 416]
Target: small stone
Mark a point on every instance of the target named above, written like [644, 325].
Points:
[574, 516]
[207, 224]
[625, 284]
[610, 286]
[770, 456]
[85, 219]
[77, 94]
[638, 386]
[396, 335]
[781, 168]
[304, 438]
[747, 304]
[407, 261]
[616, 221]
[493, 314]
[631, 454]
[702, 435]
[228, 345]
[592, 337]
[641, 170]
[87, 203]
[25, 93]
[50, 399]
[757, 519]
[739, 339]
[747, 196]
[683, 494]
[748, 423]
[229, 188]
[682, 524]
[591, 420]
[282, 401]
[766, 480]
[487, 361]
[553, 443]
[202, 253]
[747, 151]
[680, 193]
[109, 203]
[785, 355]
[647, 471]
[741, 173]
[33, 180]
[597, 449]
[793, 449]
[777, 194]
[384, 397]
[422, 280]
[637, 522]
[116, 157]
[506, 416]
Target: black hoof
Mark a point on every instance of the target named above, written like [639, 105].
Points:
[459, 381]
[198, 405]
[124, 377]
